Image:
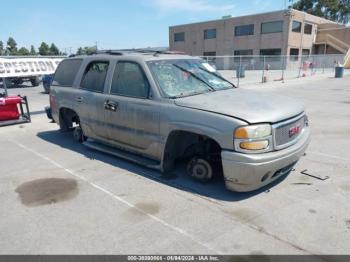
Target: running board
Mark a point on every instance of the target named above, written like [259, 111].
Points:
[93, 144]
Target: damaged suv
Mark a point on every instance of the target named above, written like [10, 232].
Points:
[154, 108]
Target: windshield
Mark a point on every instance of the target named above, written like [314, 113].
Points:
[180, 78]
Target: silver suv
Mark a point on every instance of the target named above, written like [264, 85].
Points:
[156, 108]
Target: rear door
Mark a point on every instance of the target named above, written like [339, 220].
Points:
[132, 117]
[91, 98]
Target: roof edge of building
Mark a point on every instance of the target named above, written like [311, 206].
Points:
[258, 14]
[234, 17]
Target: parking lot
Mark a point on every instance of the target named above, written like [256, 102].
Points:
[105, 205]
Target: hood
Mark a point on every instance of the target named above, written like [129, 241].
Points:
[250, 106]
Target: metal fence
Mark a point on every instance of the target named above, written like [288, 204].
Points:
[255, 69]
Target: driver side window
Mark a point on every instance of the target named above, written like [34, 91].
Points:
[129, 80]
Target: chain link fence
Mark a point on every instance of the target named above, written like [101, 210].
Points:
[260, 69]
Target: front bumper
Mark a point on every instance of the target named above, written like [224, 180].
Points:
[248, 172]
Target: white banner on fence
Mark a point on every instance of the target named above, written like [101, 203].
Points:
[21, 67]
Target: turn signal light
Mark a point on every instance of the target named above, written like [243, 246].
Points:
[255, 145]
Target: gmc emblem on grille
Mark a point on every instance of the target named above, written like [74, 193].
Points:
[294, 130]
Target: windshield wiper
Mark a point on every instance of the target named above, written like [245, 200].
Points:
[187, 94]
[195, 76]
[217, 75]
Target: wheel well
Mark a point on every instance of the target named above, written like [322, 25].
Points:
[68, 118]
[184, 144]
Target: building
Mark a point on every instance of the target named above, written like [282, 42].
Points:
[286, 32]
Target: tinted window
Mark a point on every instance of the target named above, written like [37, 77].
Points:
[209, 54]
[95, 76]
[244, 52]
[306, 52]
[209, 33]
[294, 54]
[308, 29]
[179, 37]
[129, 80]
[66, 72]
[270, 52]
[296, 26]
[244, 30]
[272, 27]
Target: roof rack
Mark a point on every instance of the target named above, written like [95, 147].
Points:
[109, 52]
[140, 51]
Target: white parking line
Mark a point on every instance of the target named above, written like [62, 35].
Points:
[328, 155]
[155, 218]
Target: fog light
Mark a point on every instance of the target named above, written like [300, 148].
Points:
[255, 145]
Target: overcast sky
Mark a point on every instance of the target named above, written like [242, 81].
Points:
[113, 23]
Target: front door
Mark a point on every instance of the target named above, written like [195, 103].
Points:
[132, 118]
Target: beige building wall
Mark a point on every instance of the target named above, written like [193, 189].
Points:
[226, 42]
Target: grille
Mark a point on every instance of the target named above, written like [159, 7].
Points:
[282, 133]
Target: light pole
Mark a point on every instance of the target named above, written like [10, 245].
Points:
[301, 43]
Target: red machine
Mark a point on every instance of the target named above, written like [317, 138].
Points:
[13, 109]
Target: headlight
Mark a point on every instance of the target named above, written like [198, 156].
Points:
[253, 139]
[256, 131]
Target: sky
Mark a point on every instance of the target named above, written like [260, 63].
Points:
[113, 24]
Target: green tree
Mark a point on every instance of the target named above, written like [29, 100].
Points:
[80, 51]
[12, 46]
[32, 50]
[1, 48]
[54, 50]
[44, 49]
[23, 51]
[89, 50]
[336, 10]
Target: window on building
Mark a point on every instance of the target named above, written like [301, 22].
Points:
[95, 76]
[308, 29]
[66, 72]
[306, 52]
[243, 52]
[179, 37]
[272, 27]
[209, 33]
[296, 27]
[270, 52]
[209, 54]
[129, 80]
[244, 30]
[294, 54]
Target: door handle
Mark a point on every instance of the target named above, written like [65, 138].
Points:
[79, 99]
[109, 105]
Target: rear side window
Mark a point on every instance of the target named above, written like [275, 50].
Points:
[66, 72]
[95, 76]
[129, 80]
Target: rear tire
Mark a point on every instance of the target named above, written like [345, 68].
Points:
[200, 169]
[78, 135]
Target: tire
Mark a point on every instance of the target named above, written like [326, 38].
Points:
[200, 169]
[78, 135]
[65, 126]
[35, 81]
